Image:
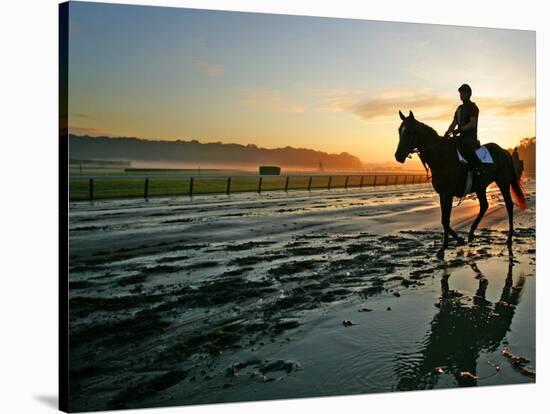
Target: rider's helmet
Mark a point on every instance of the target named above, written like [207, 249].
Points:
[466, 88]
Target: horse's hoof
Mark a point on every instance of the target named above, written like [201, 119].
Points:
[460, 241]
[471, 238]
[441, 253]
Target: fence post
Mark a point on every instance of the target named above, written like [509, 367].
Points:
[191, 186]
[146, 190]
[260, 185]
[329, 180]
[361, 183]
[91, 189]
[286, 184]
[309, 184]
[396, 179]
[387, 178]
[346, 184]
[375, 178]
[228, 189]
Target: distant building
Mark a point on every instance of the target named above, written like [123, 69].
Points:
[270, 170]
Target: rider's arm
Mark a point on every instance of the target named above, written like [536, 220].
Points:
[470, 125]
[453, 125]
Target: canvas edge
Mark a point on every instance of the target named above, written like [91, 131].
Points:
[63, 328]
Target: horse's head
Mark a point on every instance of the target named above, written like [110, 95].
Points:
[407, 137]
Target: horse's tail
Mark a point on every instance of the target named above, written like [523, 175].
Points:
[518, 193]
[510, 173]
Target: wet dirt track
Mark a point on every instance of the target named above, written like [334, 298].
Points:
[217, 299]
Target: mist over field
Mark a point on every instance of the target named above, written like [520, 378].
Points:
[208, 155]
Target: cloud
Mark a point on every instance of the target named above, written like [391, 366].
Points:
[386, 105]
[269, 100]
[336, 100]
[81, 115]
[80, 130]
[426, 105]
[504, 107]
[209, 69]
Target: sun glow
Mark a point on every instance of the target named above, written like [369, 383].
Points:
[333, 85]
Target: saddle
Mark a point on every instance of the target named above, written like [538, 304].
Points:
[484, 156]
[482, 153]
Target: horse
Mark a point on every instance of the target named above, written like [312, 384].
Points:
[449, 175]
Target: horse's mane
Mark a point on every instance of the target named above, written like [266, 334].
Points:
[429, 130]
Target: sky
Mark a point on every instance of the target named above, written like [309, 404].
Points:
[334, 85]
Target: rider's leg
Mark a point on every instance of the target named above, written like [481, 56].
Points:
[467, 147]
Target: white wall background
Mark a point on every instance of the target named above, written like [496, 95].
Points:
[28, 203]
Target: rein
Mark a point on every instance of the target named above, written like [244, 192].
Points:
[422, 159]
[426, 166]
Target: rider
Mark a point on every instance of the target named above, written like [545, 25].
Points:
[465, 122]
[516, 161]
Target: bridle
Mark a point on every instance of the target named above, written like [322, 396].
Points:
[415, 150]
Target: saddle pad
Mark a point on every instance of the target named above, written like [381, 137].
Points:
[482, 153]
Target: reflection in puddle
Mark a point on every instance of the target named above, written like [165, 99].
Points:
[463, 329]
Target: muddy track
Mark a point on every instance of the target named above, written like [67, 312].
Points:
[147, 316]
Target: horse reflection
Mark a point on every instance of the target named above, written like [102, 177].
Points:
[462, 329]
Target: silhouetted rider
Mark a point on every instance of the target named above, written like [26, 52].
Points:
[464, 126]
[518, 164]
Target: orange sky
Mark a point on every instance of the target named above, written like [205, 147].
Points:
[275, 80]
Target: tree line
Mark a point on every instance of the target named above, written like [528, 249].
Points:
[136, 149]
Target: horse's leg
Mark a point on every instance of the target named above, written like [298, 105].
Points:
[453, 233]
[483, 206]
[505, 190]
[446, 202]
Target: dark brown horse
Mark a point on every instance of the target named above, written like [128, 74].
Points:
[449, 174]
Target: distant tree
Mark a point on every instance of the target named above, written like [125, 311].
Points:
[124, 148]
[527, 153]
